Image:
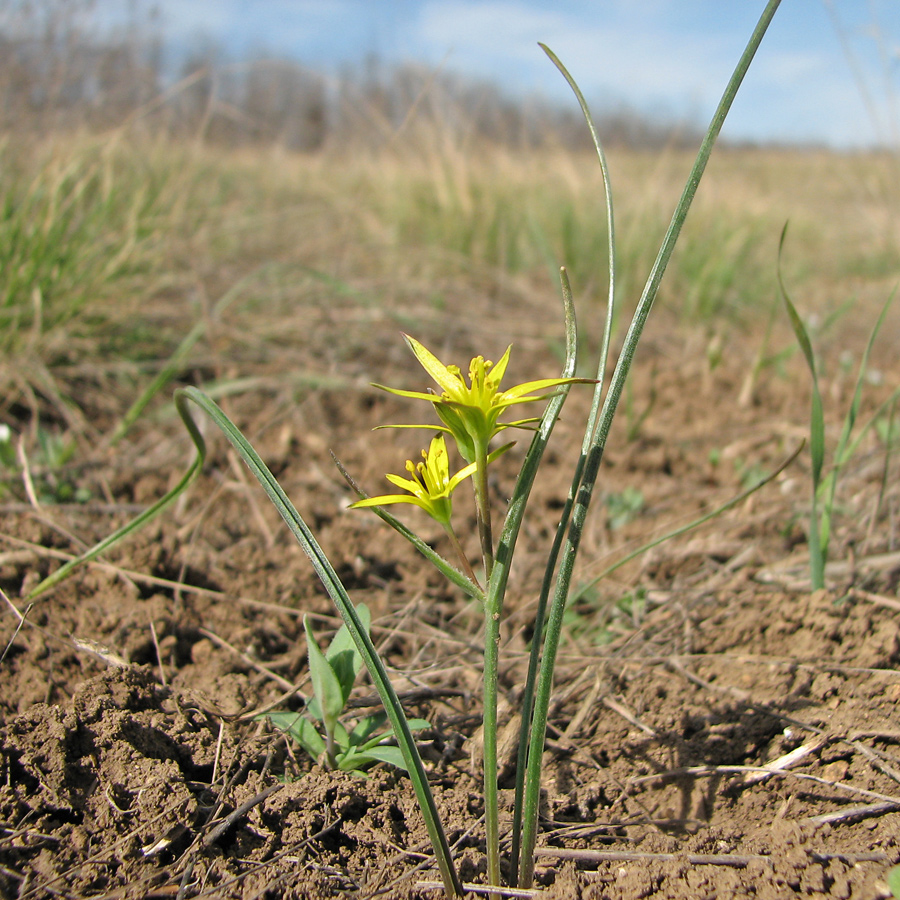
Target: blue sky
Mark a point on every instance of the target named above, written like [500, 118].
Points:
[666, 55]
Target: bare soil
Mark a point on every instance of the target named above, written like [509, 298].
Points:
[132, 759]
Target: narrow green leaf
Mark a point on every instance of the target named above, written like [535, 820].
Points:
[695, 523]
[819, 522]
[342, 737]
[326, 686]
[390, 755]
[373, 740]
[338, 593]
[135, 524]
[816, 417]
[369, 729]
[594, 456]
[298, 727]
[534, 657]
[846, 445]
[342, 654]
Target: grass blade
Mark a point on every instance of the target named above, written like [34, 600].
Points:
[818, 550]
[136, 524]
[540, 615]
[594, 457]
[330, 581]
[690, 526]
[500, 576]
[845, 446]
[356, 627]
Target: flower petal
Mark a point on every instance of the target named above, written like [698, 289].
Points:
[386, 500]
[433, 366]
[499, 369]
[430, 426]
[407, 484]
[529, 387]
[416, 395]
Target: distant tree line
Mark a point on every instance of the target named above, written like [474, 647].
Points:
[57, 73]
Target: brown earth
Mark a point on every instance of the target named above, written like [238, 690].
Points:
[133, 766]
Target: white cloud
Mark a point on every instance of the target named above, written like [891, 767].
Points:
[643, 64]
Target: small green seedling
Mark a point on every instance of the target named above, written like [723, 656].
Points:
[333, 675]
[623, 506]
[824, 483]
[52, 454]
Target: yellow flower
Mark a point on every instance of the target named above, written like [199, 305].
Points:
[429, 487]
[471, 412]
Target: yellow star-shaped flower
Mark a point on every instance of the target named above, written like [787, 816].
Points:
[471, 412]
[429, 487]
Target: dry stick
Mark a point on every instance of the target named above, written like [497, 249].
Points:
[695, 859]
[626, 714]
[587, 705]
[218, 757]
[213, 836]
[851, 815]
[868, 752]
[875, 758]
[484, 889]
[159, 659]
[27, 480]
[21, 616]
[786, 761]
[851, 858]
[877, 599]
[710, 771]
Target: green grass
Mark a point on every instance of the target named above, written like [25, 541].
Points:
[76, 224]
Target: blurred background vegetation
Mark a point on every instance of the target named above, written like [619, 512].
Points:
[148, 216]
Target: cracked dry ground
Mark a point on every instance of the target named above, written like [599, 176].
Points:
[133, 766]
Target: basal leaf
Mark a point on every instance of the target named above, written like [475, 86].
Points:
[326, 687]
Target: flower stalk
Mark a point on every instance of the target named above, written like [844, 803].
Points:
[471, 413]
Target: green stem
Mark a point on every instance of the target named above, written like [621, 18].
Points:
[496, 589]
[330, 750]
[817, 553]
[534, 659]
[492, 611]
[491, 790]
[483, 509]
